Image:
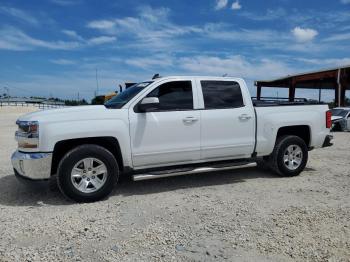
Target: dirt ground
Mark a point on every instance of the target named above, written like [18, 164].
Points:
[240, 215]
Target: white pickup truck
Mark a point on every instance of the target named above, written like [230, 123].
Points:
[164, 127]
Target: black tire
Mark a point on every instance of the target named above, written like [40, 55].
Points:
[70, 159]
[337, 127]
[276, 159]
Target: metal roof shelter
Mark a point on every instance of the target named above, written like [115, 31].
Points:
[337, 79]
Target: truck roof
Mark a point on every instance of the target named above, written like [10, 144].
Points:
[196, 77]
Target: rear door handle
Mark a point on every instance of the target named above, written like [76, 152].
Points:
[244, 117]
[190, 119]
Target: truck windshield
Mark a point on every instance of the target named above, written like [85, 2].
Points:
[339, 112]
[121, 99]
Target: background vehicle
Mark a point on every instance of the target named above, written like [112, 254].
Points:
[164, 127]
[341, 118]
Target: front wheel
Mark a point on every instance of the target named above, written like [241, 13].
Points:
[87, 173]
[289, 156]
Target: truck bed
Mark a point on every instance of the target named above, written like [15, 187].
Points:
[271, 116]
[281, 101]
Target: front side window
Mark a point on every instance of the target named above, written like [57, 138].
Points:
[174, 96]
[221, 94]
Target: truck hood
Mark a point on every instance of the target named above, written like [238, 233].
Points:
[336, 118]
[71, 114]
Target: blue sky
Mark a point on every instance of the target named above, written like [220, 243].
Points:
[52, 48]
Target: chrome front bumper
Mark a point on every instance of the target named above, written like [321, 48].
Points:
[34, 166]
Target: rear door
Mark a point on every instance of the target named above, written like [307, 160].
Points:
[227, 121]
[170, 134]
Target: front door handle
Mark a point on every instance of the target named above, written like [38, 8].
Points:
[244, 117]
[190, 119]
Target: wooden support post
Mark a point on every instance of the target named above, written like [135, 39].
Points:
[343, 86]
[336, 94]
[342, 95]
[258, 91]
[319, 95]
[292, 90]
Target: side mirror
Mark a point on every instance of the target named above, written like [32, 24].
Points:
[148, 104]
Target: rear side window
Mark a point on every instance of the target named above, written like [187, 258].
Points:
[221, 94]
[176, 95]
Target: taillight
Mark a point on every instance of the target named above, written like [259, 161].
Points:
[329, 119]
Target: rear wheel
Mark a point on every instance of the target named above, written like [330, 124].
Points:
[289, 156]
[87, 173]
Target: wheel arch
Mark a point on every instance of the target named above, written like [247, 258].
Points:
[302, 131]
[63, 146]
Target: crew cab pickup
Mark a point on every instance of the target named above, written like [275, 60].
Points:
[165, 127]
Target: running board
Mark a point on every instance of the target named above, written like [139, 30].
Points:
[177, 172]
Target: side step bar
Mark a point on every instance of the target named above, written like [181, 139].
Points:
[169, 173]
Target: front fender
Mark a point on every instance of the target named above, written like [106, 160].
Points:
[54, 132]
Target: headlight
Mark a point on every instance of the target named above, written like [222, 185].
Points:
[27, 135]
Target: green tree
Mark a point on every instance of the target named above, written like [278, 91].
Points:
[98, 100]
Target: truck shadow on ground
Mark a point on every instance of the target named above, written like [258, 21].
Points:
[127, 187]
[13, 193]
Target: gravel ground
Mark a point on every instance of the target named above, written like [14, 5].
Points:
[241, 215]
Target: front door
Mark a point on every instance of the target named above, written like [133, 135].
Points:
[169, 134]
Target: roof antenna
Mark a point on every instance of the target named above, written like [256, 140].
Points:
[156, 76]
[224, 75]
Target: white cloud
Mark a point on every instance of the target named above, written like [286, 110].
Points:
[14, 39]
[101, 40]
[19, 15]
[73, 34]
[62, 62]
[220, 4]
[154, 14]
[345, 1]
[151, 28]
[270, 14]
[150, 22]
[225, 32]
[338, 37]
[334, 20]
[304, 34]
[236, 5]
[101, 24]
[235, 65]
[327, 62]
[152, 62]
[259, 39]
